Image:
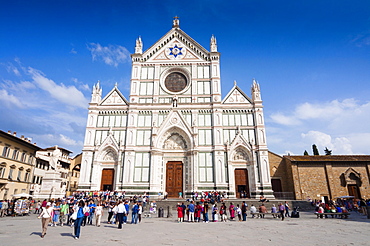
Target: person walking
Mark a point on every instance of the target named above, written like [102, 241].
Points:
[80, 216]
[45, 217]
[98, 214]
[281, 210]
[64, 210]
[287, 209]
[120, 210]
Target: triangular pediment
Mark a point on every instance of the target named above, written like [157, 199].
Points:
[176, 45]
[236, 96]
[108, 150]
[174, 120]
[114, 97]
[239, 140]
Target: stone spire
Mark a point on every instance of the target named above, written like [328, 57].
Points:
[176, 22]
[256, 92]
[213, 44]
[96, 93]
[139, 46]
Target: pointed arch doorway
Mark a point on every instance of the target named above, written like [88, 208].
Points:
[174, 178]
[107, 179]
[242, 183]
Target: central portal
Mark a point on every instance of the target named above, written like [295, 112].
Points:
[241, 183]
[107, 179]
[174, 180]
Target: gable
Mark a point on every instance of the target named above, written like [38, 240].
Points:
[236, 96]
[176, 45]
[114, 97]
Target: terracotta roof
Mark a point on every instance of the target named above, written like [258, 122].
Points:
[320, 158]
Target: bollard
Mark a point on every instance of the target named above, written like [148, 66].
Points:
[160, 212]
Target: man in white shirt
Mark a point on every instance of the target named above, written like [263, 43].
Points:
[120, 211]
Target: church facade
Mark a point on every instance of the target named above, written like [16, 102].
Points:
[176, 133]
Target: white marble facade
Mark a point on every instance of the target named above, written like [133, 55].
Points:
[176, 115]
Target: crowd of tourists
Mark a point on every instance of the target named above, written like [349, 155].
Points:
[199, 211]
[88, 208]
[341, 205]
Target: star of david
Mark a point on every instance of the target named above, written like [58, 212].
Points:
[175, 51]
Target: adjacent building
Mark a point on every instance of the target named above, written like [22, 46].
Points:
[176, 133]
[17, 162]
[320, 177]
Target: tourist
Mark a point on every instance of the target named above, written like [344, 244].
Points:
[127, 207]
[110, 211]
[214, 213]
[4, 208]
[86, 210]
[134, 210]
[287, 209]
[244, 211]
[238, 212]
[92, 207]
[232, 211]
[205, 212]
[273, 210]
[191, 209]
[253, 210]
[120, 210]
[183, 211]
[56, 213]
[139, 212]
[45, 217]
[281, 210]
[64, 210]
[198, 212]
[98, 214]
[180, 213]
[223, 213]
[80, 217]
[262, 211]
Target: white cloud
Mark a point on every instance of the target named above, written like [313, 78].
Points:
[69, 95]
[81, 85]
[284, 120]
[10, 100]
[111, 55]
[13, 69]
[339, 125]
[73, 51]
[66, 141]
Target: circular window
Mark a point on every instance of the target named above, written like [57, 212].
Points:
[175, 82]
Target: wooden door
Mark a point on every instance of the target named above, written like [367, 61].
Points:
[174, 180]
[353, 190]
[276, 185]
[241, 183]
[107, 179]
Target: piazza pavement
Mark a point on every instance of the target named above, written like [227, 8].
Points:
[306, 230]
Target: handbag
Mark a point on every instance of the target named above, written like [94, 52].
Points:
[74, 215]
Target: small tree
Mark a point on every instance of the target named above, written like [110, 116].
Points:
[305, 152]
[315, 150]
[327, 151]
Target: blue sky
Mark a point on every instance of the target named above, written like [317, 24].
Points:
[311, 58]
